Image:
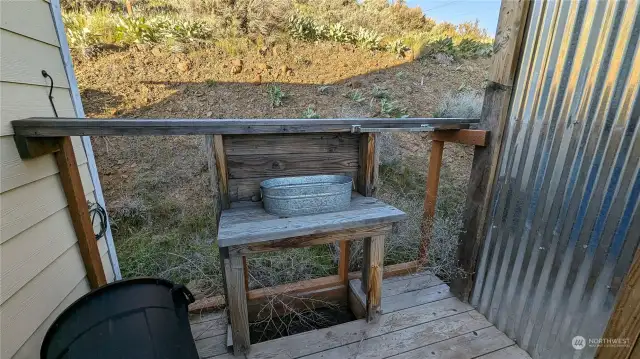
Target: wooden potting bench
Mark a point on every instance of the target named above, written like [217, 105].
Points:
[243, 161]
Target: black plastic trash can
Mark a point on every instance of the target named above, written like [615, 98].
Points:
[137, 318]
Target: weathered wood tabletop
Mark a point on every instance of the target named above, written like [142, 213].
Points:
[247, 222]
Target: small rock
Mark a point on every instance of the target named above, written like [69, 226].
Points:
[263, 66]
[289, 72]
[237, 62]
[443, 58]
[125, 176]
[284, 69]
[257, 80]
[184, 66]
[355, 84]
[209, 113]
[263, 51]
[120, 162]
[236, 69]
[156, 52]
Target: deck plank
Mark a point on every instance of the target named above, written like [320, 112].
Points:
[411, 284]
[195, 318]
[401, 341]
[354, 332]
[210, 328]
[210, 347]
[421, 319]
[466, 346]
[415, 298]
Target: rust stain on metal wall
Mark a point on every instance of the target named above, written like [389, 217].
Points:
[565, 221]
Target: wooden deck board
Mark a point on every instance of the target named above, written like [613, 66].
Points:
[209, 331]
[421, 319]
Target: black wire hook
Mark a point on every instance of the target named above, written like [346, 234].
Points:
[46, 75]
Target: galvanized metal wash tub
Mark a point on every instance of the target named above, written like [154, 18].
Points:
[297, 196]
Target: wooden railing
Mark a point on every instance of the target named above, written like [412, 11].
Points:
[38, 136]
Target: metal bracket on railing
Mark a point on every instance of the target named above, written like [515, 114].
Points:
[422, 128]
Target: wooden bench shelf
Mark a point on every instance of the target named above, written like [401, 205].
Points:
[246, 228]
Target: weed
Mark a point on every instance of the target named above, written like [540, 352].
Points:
[397, 47]
[380, 92]
[323, 90]
[276, 95]
[368, 39]
[390, 108]
[188, 30]
[355, 95]
[211, 82]
[302, 28]
[138, 30]
[339, 33]
[310, 113]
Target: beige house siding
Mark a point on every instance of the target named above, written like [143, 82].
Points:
[41, 270]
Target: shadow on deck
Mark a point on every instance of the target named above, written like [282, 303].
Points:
[421, 319]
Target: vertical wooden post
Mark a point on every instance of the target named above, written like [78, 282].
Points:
[366, 186]
[625, 318]
[372, 278]
[237, 304]
[506, 59]
[222, 170]
[343, 262]
[222, 184]
[430, 198]
[367, 172]
[79, 211]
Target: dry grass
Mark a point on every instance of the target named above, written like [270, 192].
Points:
[464, 104]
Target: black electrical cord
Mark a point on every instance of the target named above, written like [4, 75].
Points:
[95, 209]
[46, 75]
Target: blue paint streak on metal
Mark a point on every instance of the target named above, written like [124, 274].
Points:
[625, 221]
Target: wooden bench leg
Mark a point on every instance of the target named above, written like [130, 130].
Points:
[237, 303]
[372, 268]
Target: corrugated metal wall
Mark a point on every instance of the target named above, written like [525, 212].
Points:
[565, 221]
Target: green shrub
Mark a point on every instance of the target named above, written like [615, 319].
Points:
[138, 30]
[368, 39]
[397, 47]
[302, 28]
[276, 95]
[188, 30]
[339, 33]
[78, 32]
[380, 92]
[390, 108]
[355, 95]
[309, 112]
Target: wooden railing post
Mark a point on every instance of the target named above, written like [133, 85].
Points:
[624, 322]
[497, 98]
[430, 198]
[79, 211]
